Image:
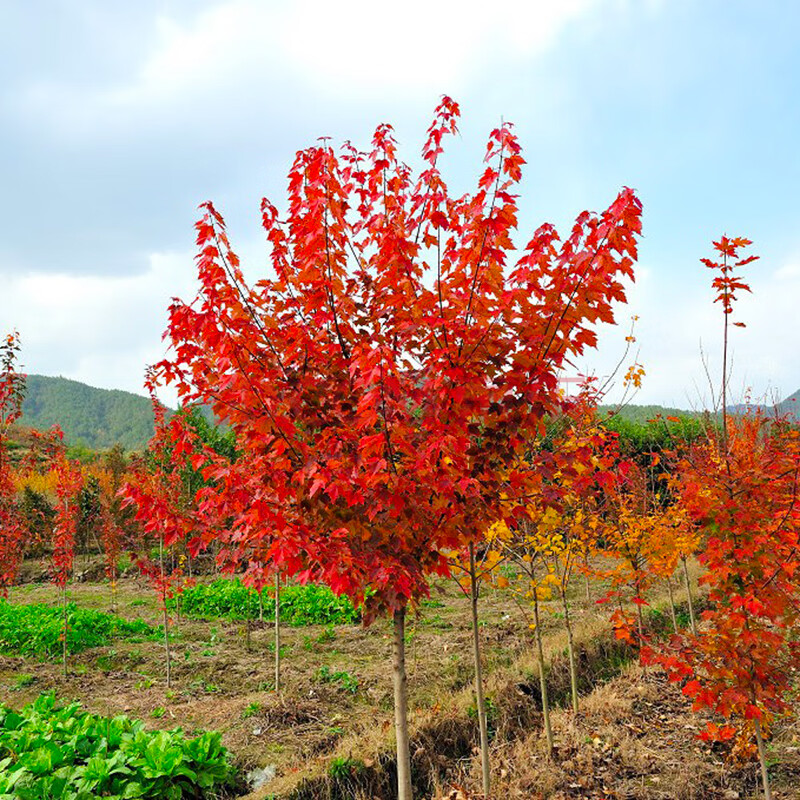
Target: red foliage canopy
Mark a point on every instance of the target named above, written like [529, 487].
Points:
[385, 384]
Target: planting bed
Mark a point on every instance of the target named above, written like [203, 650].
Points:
[329, 732]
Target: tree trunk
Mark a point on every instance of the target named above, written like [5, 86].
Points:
[689, 596]
[277, 631]
[586, 585]
[113, 571]
[166, 642]
[64, 648]
[401, 707]
[639, 622]
[573, 668]
[542, 677]
[164, 611]
[479, 698]
[762, 758]
[672, 604]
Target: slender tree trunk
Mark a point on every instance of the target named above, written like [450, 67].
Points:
[672, 604]
[166, 642]
[277, 631]
[113, 577]
[762, 758]
[64, 646]
[542, 677]
[689, 596]
[639, 622]
[573, 667]
[261, 605]
[586, 584]
[164, 611]
[401, 707]
[479, 698]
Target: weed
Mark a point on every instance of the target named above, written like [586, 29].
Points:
[36, 629]
[22, 681]
[251, 710]
[158, 712]
[345, 680]
[300, 605]
[344, 767]
[491, 714]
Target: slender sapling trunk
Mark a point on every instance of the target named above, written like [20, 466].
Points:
[672, 604]
[762, 759]
[542, 677]
[689, 596]
[573, 667]
[164, 611]
[479, 698]
[64, 638]
[277, 631]
[401, 707]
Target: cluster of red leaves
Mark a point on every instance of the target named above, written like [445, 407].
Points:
[726, 283]
[156, 490]
[12, 530]
[69, 482]
[385, 385]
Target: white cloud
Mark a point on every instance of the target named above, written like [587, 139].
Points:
[99, 330]
[348, 49]
[680, 325]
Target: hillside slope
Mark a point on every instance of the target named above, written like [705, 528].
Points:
[96, 418]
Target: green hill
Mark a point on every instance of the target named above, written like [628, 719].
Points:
[641, 414]
[95, 418]
[791, 405]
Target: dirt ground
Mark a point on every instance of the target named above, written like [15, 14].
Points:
[635, 736]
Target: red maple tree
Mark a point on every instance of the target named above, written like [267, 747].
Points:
[12, 527]
[385, 382]
[740, 489]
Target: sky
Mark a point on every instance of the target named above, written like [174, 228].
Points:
[117, 119]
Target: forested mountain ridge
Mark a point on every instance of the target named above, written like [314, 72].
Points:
[100, 418]
[95, 418]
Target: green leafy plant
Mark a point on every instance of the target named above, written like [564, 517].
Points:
[22, 681]
[344, 767]
[251, 710]
[300, 604]
[47, 751]
[345, 680]
[36, 629]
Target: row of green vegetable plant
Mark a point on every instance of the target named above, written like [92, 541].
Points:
[299, 604]
[47, 751]
[36, 629]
